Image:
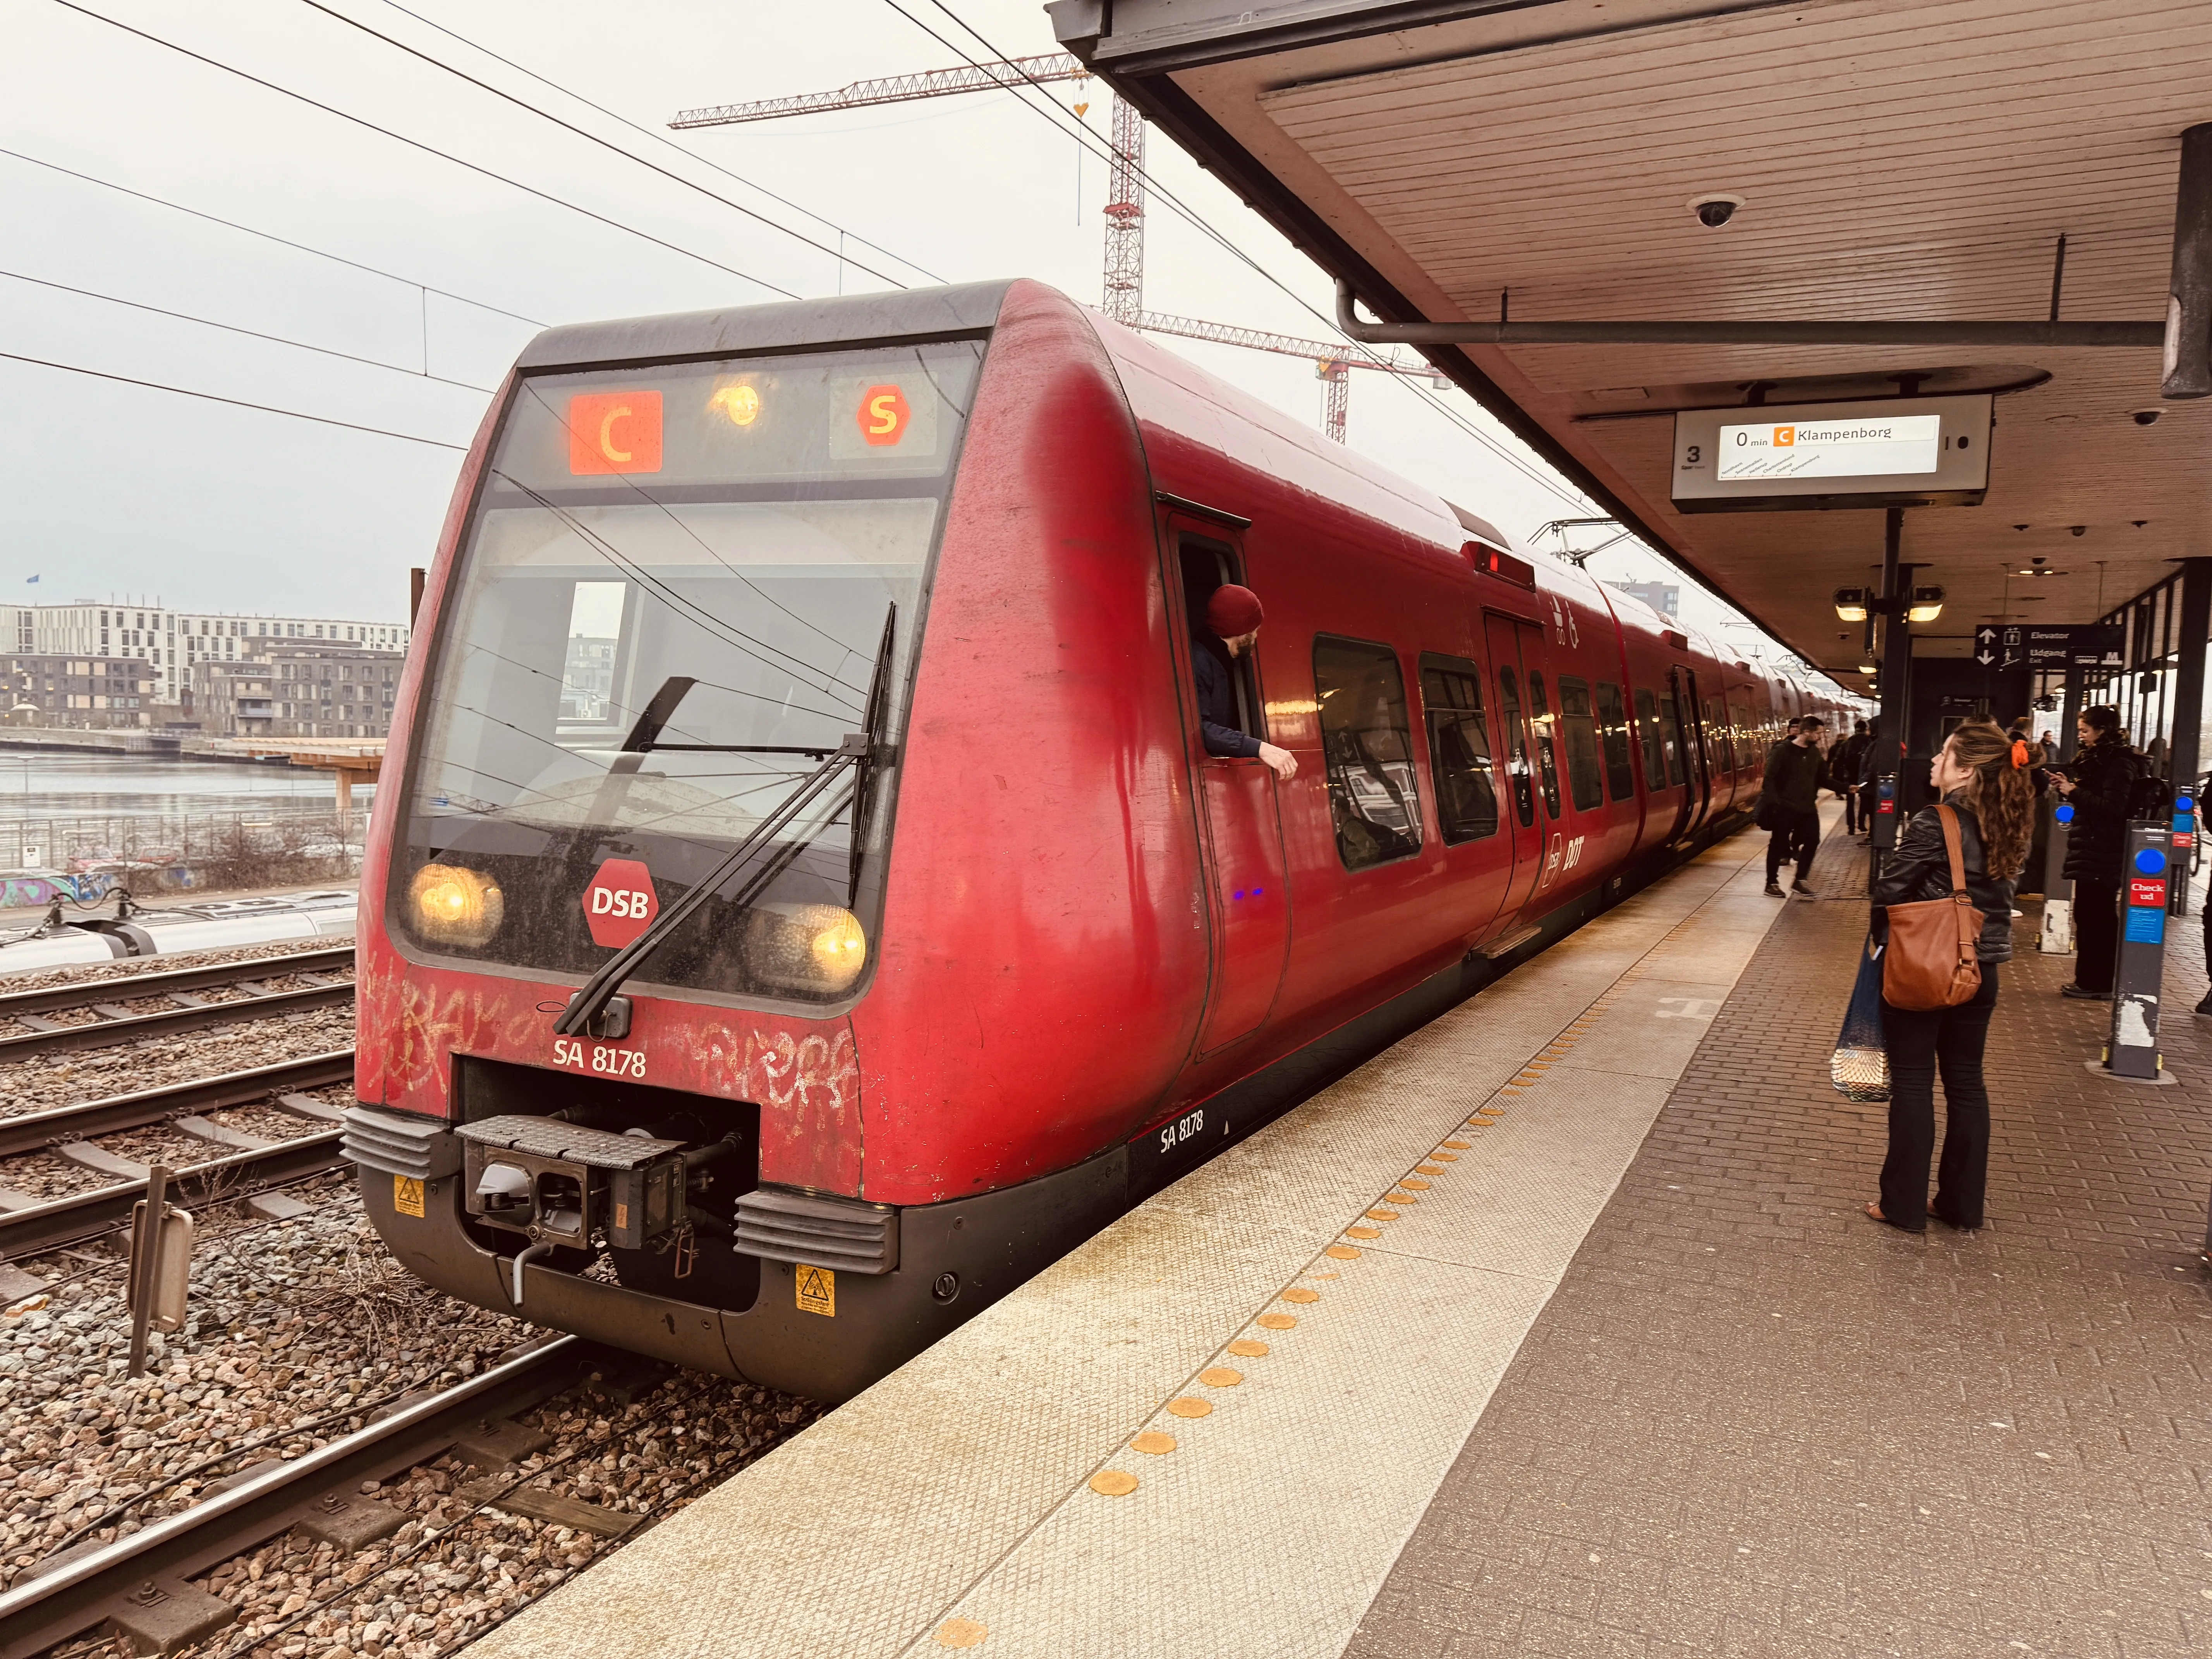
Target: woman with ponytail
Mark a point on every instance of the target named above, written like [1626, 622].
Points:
[1986, 777]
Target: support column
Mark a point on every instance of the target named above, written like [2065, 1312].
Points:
[2185, 756]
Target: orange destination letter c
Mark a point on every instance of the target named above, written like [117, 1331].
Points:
[613, 432]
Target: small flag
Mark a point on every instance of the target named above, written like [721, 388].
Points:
[28, 580]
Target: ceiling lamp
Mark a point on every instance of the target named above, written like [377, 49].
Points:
[1850, 604]
[1867, 668]
[1927, 604]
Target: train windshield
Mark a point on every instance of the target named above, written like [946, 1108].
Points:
[670, 604]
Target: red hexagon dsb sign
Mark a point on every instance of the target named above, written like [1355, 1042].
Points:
[620, 903]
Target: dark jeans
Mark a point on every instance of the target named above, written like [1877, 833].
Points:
[1799, 838]
[2096, 934]
[1920, 1044]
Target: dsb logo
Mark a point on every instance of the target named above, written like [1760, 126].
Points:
[621, 902]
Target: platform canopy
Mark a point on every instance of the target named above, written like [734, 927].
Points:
[1910, 162]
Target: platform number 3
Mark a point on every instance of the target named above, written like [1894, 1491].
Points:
[1691, 455]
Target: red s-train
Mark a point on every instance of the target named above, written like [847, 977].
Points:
[800, 905]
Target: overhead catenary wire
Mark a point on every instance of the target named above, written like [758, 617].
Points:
[584, 133]
[271, 236]
[249, 333]
[235, 403]
[1054, 115]
[428, 149]
[662, 139]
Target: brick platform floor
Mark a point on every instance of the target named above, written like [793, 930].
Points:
[1753, 1422]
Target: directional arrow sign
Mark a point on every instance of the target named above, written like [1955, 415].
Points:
[1985, 636]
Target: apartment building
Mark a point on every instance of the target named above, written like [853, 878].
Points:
[171, 642]
[89, 692]
[297, 690]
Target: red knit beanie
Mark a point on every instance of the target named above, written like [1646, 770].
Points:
[1233, 611]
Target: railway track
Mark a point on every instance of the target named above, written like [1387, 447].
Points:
[112, 1021]
[138, 1582]
[251, 1166]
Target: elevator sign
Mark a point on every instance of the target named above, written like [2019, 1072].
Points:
[1874, 451]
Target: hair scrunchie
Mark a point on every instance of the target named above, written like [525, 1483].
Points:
[2019, 753]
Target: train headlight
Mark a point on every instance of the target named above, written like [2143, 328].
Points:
[449, 905]
[821, 948]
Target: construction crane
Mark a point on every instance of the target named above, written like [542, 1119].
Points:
[1123, 292]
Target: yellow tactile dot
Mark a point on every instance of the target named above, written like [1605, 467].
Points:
[1112, 1483]
[1153, 1444]
[1363, 1232]
[1395, 1196]
[1341, 1253]
[1428, 1169]
[1381, 1215]
[1418, 1185]
[1190, 1407]
[962, 1633]
[1456, 1146]
[1245, 1348]
[1272, 1322]
[1299, 1293]
[1448, 1158]
[1220, 1376]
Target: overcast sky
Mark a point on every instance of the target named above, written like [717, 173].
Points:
[115, 489]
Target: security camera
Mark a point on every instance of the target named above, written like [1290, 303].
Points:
[2147, 416]
[1716, 211]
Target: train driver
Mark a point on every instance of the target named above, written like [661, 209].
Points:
[1233, 617]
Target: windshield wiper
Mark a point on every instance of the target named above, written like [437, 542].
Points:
[644, 737]
[585, 1014]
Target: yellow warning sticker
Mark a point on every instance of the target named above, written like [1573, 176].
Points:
[407, 1195]
[817, 1291]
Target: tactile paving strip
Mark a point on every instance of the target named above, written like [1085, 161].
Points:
[954, 1503]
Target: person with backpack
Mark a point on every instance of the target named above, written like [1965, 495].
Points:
[2101, 783]
[1980, 777]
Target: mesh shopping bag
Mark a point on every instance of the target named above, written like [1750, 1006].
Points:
[1860, 1068]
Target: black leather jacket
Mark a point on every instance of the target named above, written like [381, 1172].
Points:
[1920, 868]
[2104, 778]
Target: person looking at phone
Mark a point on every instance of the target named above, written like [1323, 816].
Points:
[2098, 784]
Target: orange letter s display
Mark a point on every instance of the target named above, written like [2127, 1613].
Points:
[883, 415]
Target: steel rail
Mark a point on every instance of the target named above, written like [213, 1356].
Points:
[130, 987]
[58, 1124]
[107, 1033]
[57, 1605]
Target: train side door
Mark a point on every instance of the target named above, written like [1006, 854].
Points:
[1521, 812]
[1240, 819]
[1696, 758]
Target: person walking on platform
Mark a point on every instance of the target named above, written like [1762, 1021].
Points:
[1844, 768]
[2098, 785]
[1983, 776]
[1790, 804]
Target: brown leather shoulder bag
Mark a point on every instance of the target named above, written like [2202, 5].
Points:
[1931, 961]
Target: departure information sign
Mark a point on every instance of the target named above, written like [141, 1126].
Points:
[1875, 452]
[1863, 448]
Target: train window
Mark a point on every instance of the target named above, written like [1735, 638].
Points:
[671, 601]
[1670, 728]
[1749, 752]
[1655, 753]
[1207, 565]
[1367, 746]
[1545, 743]
[1516, 747]
[1459, 749]
[1578, 727]
[1612, 728]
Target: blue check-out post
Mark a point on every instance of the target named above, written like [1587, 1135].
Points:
[2132, 1051]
